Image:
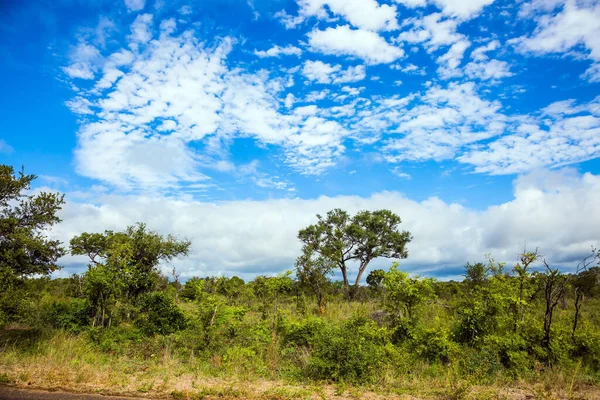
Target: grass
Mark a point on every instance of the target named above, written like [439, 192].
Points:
[59, 360]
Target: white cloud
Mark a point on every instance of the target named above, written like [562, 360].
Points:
[400, 173]
[493, 70]
[484, 68]
[555, 211]
[173, 91]
[141, 30]
[185, 10]
[564, 135]
[437, 124]
[577, 24]
[364, 14]
[135, 5]
[434, 31]
[342, 40]
[450, 61]
[592, 74]
[326, 73]
[462, 9]
[277, 51]
[85, 60]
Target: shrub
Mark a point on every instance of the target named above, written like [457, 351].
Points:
[353, 352]
[71, 314]
[434, 344]
[158, 314]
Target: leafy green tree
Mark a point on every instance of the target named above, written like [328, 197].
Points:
[403, 294]
[25, 250]
[375, 279]
[312, 272]
[524, 278]
[123, 265]
[193, 288]
[158, 314]
[230, 287]
[485, 303]
[343, 239]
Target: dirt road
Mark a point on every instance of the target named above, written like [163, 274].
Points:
[10, 393]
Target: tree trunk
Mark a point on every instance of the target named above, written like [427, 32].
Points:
[361, 270]
[346, 283]
[578, 302]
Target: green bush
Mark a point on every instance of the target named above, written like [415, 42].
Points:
[71, 314]
[434, 344]
[587, 346]
[158, 314]
[354, 352]
[302, 333]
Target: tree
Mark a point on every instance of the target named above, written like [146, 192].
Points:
[25, 250]
[342, 239]
[123, 265]
[583, 284]
[523, 274]
[178, 286]
[554, 285]
[375, 279]
[404, 294]
[312, 272]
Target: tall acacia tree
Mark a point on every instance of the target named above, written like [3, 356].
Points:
[25, 250]
[343, 239]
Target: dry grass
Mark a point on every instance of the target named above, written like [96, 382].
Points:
[69, 363]
[58, 360]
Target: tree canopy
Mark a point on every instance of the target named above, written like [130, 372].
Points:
[25, 250]
[344, 239]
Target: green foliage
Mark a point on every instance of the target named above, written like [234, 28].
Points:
[340, 239]
[353, 352]
[269, 290]
[24, 248]
[375, 278]
[193, 289]
[158, 314]
[123, 266]
[435, 344]
[71, 314]
[312, 273]
[403, 294]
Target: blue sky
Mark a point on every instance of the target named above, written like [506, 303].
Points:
[450, 110]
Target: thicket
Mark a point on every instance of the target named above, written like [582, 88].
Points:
[513, 322]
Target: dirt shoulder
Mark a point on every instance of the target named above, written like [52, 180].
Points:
[13, 393]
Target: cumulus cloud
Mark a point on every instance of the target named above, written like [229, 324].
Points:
[565, 134]
[343, 40]
[157, 96]
[135, 5]
[484, 68]
[326, 73]
[576, 24]
[456, 8]
[277, 51]
[364, 14]
[85, 60]
[555, 211]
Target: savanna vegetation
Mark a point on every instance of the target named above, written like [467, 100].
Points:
[504, 331]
